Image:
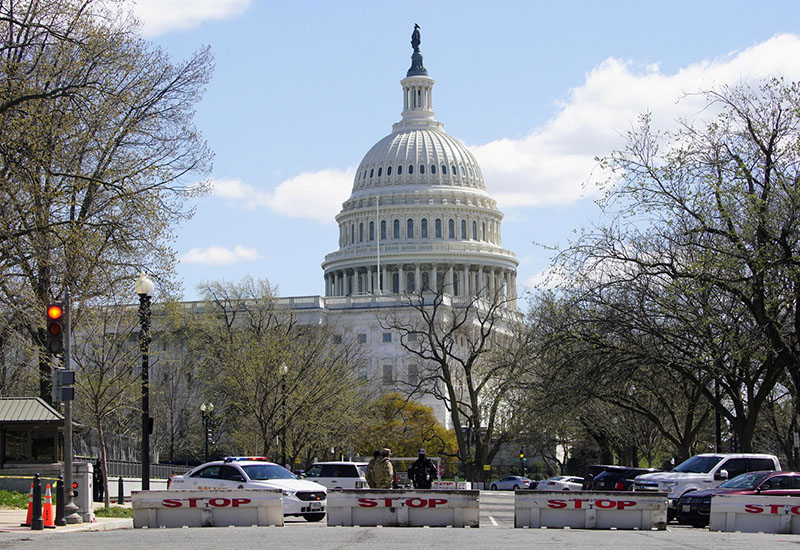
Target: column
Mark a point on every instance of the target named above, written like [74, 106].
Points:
[402, 275]
[435, 273]
[448, 280]
[387, 285]
[417, 279]
[465, 281]
[492, 287]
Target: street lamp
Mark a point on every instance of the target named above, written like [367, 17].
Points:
[206, 409]
[144, 288]
[283, 369]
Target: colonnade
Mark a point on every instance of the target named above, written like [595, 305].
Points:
[456, 279]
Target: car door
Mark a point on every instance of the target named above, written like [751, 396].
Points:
[206, 478]
[230, 477]
[780, 486]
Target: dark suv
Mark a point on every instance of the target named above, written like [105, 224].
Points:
[618, 478]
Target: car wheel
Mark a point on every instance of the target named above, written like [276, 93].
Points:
[314, 517]
[494, 487]
[516, 487]
[565, 489]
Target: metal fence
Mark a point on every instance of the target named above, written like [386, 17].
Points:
[117, 468]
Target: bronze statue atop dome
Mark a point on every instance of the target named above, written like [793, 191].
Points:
[415, 38]
[417, 69]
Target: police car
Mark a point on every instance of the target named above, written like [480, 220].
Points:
[300, 497]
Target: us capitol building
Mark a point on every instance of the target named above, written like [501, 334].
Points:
[418, 218]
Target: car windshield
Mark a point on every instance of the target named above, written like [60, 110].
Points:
[362, 470]
[744, 481]
[698, 464]
[258, 472]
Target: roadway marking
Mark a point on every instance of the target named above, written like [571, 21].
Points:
[491, 518]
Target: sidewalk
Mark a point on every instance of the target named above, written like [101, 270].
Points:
[10, 522]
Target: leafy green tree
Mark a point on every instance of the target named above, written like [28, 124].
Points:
[98, 156]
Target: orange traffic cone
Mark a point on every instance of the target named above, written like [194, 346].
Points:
[48, 514]
[30, 510]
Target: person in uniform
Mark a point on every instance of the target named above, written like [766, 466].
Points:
[422, 471]
[370, 473]
[384, 471]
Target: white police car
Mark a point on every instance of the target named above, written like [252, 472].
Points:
[300, 497]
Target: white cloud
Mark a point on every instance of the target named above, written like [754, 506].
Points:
[553, 164]
[311, 195]
[218, 255]
[161, 16]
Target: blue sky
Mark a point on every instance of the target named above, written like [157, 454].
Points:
[536, 90]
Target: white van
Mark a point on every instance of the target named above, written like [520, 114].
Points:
[338, 475]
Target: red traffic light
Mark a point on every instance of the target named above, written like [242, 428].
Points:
[55, 311]
[55, 328]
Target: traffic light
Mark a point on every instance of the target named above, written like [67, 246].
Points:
[521, 454]
[55, 328]
[63, 385]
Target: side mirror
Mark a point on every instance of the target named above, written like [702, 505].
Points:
[721, 474]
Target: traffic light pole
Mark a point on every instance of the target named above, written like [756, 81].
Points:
[70, 509]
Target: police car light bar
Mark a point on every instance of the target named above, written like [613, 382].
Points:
[241, 458]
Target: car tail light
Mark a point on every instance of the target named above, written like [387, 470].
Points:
[619, 486]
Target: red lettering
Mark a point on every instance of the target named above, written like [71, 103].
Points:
[388, 502]
[434, 502]
[235, 502]
[171, 503]
[605, 504]
[219, 502]
[416, 502]
[753, 508]
[775, 508]
[622, 504]
[555, 503]
[579, 502]
[795, 510]
[193, 502]
[367, 502]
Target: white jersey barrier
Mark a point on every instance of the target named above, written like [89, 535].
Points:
[402, 508]
[222, 508]
[590, 509]
[755, 513]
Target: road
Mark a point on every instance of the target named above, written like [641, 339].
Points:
[496, 531]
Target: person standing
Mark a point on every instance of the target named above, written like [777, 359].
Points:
[422, 471]
[97, 481]
[370, 473]
[384, 471]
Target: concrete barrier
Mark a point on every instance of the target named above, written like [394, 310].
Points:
[451, 485]
[755, 513]
[223, 508]
[590, 509]
[403, 508]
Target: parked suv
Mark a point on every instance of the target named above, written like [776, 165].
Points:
[704, 471]
[338, 475]
[618, 478]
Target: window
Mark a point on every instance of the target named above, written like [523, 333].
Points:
[211, 472]
[396, 283]
[400, 170]
[410, 287]
[471, 173]
[396, 229]
[462, 171]
[464, 229]
[361, 232]
[387, 374]
[362, 338]
[438, 225]
[483, 231]
[421, 168]
[365, 175]
[453, 167]
[387, 337]
[410, 228]
[410, 169]
[337, 338]
[425, 281]
[474, 231]
[380, 169]
[444, 169]
[424, 229]
[371, 172]
[433, 168]
[372, 231]
[388, 170]
[231, 473]
[383, 229]
[735, 466]
[413, 375]
[412, 337]
[451, 228]
[352, 234]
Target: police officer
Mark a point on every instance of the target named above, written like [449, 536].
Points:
[370, 473]
[422, 471]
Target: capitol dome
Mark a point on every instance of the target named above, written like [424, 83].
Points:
[419, 216]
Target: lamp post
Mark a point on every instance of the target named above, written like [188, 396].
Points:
[144, 288]
[206, 409]
[283, 371]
